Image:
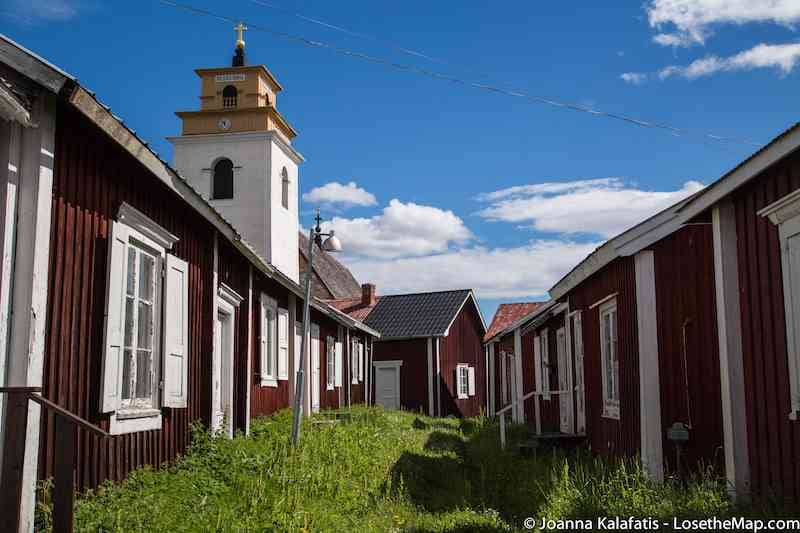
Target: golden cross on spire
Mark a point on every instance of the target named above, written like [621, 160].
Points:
[240, 29]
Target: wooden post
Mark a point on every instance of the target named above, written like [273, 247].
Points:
[503, 430]
[64, 482]
[13, 460]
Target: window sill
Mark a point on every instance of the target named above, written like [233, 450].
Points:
[269, 382]
[134, 421]
[611, 412]
[329, 387]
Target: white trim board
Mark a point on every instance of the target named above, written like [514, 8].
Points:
[603, 300]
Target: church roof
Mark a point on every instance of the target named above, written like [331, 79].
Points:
[336, 277]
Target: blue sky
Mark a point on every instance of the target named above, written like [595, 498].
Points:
[435, 185]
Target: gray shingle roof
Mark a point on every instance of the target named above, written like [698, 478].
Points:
[339, 281]
[426, 314]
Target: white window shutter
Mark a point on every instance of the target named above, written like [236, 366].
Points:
[546, 364]
[360, 362]
[283, 344]
[176, 332]
[115, 317]
[471, 378]
[503, 384]
[537, 362]
[262, 345]
[339, 364]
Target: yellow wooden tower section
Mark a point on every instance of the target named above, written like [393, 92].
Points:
[237, 99]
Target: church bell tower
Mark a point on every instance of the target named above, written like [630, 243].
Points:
[237, 152]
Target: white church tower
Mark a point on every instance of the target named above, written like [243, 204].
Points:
[237, 152]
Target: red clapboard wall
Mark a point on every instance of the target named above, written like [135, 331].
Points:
[607, 436]
[413, 373]
[463, 344]
[688, 346]
[773, 439]
[93, 176]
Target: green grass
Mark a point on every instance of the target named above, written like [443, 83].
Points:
[380, 471]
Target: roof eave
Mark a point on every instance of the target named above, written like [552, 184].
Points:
[780, 147]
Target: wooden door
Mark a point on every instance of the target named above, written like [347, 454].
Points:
[387, 390]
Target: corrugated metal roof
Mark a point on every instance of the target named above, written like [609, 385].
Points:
[426, 314]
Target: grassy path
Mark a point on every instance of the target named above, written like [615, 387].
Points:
[381, 471]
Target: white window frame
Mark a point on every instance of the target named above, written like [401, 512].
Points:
[330, 363]
[785, 214]
[462, 381]
[141, 232]
[268, 345]
[611, 404]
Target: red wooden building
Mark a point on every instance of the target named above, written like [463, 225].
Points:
[430, 356]
[753, 212]
[130, 301]
[619, 354]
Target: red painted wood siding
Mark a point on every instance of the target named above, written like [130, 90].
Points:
[607, 436]
[92, 178]
[463, 344]
[413, 373]
[265, 400]
[689, 372]
[774, 440]
[549, 409]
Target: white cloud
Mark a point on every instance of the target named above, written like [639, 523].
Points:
[345, 195]
[30, 11]
[783, 57]
[401, 230]
[634, 78]
[694, 20]
[604, 207]
[524, 271]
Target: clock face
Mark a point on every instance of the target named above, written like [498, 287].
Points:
[224, 124]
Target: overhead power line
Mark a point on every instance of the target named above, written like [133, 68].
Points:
[352, 33]
[408, 67]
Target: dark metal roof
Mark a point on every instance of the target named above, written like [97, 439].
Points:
[427, 314]
[339, 281]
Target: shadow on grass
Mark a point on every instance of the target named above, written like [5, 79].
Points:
[440, 441]
[432, 483]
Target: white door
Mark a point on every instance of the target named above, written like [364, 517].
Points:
[580, 392]
[387, 385]
[222, 393]
[216, 393]
[564, 399]
[315, 360]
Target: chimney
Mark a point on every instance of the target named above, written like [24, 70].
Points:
[368, 294]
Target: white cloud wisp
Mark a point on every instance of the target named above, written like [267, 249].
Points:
[603, 207]
[338, 194]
